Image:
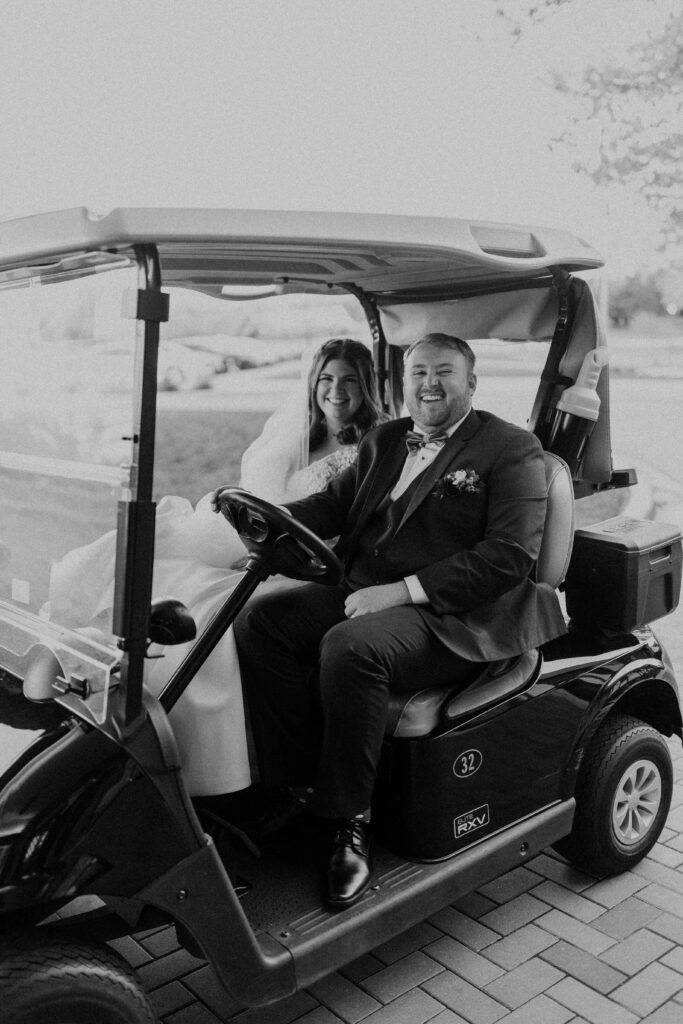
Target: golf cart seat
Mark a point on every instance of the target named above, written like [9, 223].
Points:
[417, 714]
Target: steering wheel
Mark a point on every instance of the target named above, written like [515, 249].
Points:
[277, 541]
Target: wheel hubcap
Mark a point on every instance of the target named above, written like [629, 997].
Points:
[636, 802]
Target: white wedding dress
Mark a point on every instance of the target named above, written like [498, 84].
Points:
[194, 549]
[209, 719]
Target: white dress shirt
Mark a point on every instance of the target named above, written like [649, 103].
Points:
[416, 462]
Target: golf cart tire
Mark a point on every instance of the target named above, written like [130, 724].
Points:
[625, 756]
[45, 980]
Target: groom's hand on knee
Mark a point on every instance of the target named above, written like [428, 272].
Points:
[376, 599]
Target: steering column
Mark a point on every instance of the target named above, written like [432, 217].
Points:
[276, 543]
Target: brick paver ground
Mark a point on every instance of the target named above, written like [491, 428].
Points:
[544, 944]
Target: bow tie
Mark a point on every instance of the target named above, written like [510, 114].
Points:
[415, 441]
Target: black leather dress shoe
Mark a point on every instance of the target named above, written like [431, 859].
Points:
[349, 871]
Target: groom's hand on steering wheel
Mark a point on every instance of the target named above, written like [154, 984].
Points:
[275, 540]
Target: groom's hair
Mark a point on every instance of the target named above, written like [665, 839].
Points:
[443, 341]
[359, 356]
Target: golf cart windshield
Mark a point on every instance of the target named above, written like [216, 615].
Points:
[65, 425]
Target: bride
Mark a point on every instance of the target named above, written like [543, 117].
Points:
[307, 442]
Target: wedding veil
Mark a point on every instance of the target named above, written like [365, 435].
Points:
[281, 449]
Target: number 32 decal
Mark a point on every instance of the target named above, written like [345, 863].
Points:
[467, 763]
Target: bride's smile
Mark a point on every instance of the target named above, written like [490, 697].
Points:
[338, 393]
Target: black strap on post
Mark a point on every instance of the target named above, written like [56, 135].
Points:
[552, 381]
[143, 304]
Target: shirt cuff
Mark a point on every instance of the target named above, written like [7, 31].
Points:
[416, 590]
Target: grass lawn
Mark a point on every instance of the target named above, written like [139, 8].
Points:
[198, 450]
[597, 507]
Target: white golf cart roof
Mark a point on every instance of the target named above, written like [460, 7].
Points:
[215, 250]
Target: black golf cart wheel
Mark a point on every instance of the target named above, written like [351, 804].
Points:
[44, 980]
[622, 797]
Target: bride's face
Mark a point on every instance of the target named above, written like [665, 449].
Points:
[338, 392]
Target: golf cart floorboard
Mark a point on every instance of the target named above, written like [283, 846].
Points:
[286, 882]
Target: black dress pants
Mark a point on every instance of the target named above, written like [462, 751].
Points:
[317, 686]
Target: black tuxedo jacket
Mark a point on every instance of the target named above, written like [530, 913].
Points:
[472, 541]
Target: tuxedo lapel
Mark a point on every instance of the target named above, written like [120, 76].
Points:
[436, 469]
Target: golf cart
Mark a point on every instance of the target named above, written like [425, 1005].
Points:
[560, 747]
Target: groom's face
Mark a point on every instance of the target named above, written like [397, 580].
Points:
[438, 385]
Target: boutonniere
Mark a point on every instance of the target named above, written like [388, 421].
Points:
[460, 481]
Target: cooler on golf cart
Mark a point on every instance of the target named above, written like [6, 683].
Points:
[564, 746]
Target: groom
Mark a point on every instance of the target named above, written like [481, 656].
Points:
[439, 530]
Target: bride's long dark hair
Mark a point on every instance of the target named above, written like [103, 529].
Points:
[370, 412]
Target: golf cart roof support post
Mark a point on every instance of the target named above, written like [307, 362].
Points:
[379, 341]
[136, 522]
[551, 379]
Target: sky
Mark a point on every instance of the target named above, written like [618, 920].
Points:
[382, 106]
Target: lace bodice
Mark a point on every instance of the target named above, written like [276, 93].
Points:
[316, 476]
